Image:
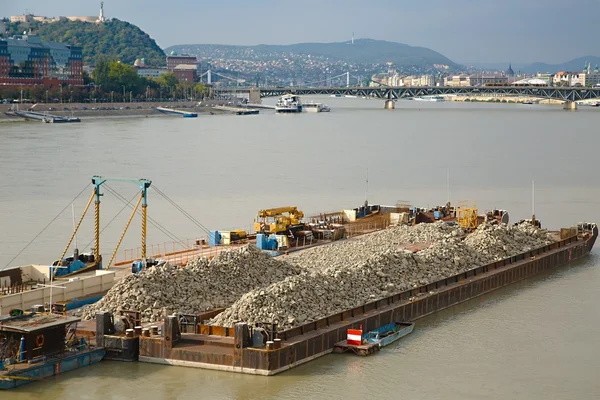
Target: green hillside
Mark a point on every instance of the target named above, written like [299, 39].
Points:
[114, 39]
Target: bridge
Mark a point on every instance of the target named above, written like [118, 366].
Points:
[348, 85]
[570, 95]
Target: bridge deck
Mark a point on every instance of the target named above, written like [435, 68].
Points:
[558, 93]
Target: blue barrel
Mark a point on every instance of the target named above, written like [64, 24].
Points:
[272, 243]
[214, 238]
[437, 214]
[261, 241]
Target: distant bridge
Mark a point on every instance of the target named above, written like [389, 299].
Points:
[567, 94]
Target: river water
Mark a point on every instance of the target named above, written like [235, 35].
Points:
[534, 340]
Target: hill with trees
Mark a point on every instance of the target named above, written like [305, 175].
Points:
[114, 39]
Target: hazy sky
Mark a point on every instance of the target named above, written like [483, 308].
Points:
[520, 31]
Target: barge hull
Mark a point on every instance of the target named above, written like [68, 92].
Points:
[51, 368]
[307, 342]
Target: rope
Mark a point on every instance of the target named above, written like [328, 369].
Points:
[152, 221]
[46, 227]
[109, 222]
[185, 213]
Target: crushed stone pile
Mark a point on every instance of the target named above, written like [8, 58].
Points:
[502, 241]
[344, 276]
[358, 250]
[201, 285]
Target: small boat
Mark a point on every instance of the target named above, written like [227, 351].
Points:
[528, 102]
[289, 103]
[373, 341]
[315, 107]
[429, 98]
[35, 346]
[184, 114]
[389, 333]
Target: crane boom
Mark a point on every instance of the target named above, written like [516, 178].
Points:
[273, 212]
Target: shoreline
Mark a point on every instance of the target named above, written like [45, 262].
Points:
[110, 110]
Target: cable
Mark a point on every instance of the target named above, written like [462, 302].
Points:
[109, 222]
[152, 221]
[46, 227]
[185, 213]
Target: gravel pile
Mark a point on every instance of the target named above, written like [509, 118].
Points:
[201, 286]
[348, 275]
[357, 251]
[501, 241]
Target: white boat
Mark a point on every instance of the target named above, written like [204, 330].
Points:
[315, 107]
[288, 103]
[429, 98]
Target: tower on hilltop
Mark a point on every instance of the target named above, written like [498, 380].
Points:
[101, 18]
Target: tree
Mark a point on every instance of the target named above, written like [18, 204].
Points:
[86, 78]
[100, 73]
[122, 75]
[169, 80]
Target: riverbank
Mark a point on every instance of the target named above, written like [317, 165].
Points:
[110, 110]
[502, 99]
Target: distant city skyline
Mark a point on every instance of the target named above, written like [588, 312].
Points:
[466, 31]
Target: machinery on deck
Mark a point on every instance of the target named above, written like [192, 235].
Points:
[138, 266]
[279, 221]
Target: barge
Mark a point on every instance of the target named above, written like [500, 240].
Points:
[264, 350]
[35, 346]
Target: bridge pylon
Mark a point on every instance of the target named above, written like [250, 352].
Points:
[389, 102]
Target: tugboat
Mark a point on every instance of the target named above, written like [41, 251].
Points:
[289, 103]
[38, 345]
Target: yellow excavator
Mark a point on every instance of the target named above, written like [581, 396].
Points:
[279, 220]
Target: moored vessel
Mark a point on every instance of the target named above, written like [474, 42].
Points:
[34, 346]
[372, 341]
[429, 98]
[315, 107]
[289, 103]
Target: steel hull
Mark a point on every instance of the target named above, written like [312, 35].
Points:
[50, 368]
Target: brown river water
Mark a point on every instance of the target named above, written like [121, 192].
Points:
[534, 340]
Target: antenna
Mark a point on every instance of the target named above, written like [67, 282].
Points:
[448, 183]
[367, 187]
[533, 198]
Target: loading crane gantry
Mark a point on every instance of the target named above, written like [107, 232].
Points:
[83, 262]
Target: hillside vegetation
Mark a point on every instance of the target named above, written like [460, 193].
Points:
[115, 39]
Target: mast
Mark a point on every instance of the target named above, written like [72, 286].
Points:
[533, 221]
[448, 184]
[367, 188]
[533, 198]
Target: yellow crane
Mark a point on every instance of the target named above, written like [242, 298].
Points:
[278, 220]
